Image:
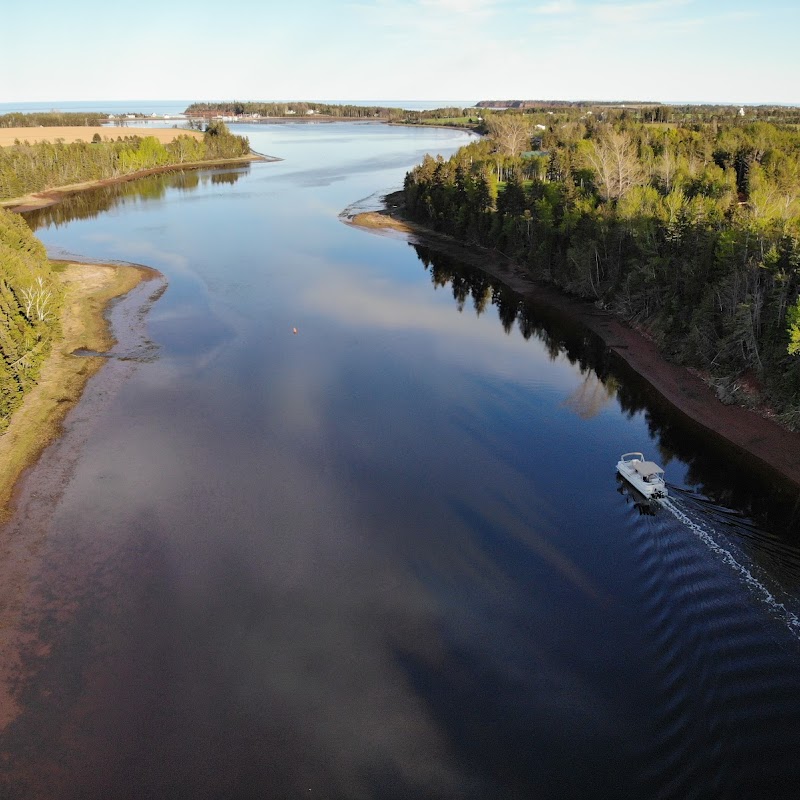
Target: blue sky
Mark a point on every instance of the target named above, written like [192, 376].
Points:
[667, 50]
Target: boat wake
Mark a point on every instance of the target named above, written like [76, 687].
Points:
[778, 608]
[723, 708]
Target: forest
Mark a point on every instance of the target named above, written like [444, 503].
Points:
[30, 298]
[536, 111]
[302, 109]
[674, 114]
[30, 295]
[690, 233]
[51, 119]
[26, 168]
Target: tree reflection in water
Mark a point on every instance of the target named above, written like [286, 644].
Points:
[90, 204]
[717, 469]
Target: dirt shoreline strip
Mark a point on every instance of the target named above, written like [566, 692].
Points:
[88, 288]
[777, 448]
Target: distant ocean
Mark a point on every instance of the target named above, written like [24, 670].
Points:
[158, 107]
[174, 107]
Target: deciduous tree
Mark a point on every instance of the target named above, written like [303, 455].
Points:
[512, 132]
[613, 158]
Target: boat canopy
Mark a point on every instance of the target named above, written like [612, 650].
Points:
[647, 468]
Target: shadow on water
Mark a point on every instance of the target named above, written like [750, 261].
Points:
[716, 469]
[712, 709]
[755, 514]
[91, 204]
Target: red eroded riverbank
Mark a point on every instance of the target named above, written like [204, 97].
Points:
[776, 448]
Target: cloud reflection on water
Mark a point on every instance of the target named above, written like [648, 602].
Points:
[384, 305]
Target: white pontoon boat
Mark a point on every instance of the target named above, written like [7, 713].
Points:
[645, 476]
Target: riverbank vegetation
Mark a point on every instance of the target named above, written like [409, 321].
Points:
[51, 119]
[237, 108]
[649, 112]
[302, 110]
[86, 290]
[47, 311]
[30, 299]
[544, 113]
[27, 168]
[31, 295]
[691, 233]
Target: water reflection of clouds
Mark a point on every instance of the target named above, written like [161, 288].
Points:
[142, 250]
[283, 609]
[385, 305]
[325, 175]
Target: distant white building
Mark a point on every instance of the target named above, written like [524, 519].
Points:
[741, 111]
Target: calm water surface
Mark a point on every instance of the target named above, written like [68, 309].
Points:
[386, 556]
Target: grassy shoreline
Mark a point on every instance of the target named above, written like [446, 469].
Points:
[88, 290]
[55, 194]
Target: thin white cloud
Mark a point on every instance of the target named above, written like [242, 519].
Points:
[738, 16]
[444, 20]
[568, 24]
[481, 8]
[557, 8]
[632, 13]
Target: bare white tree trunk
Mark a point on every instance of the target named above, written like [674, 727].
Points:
[38, 301]
[512, 132]
[614, 159]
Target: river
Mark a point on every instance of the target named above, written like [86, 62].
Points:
[345, 524]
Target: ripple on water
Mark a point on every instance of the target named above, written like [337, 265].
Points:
[722, 689]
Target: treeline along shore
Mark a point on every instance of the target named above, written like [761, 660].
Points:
[30, 302]
[690, 234]
[48, 310]
[270, 110]
[47, 119]
[477, 117]
[30, 293]
[27, 168]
